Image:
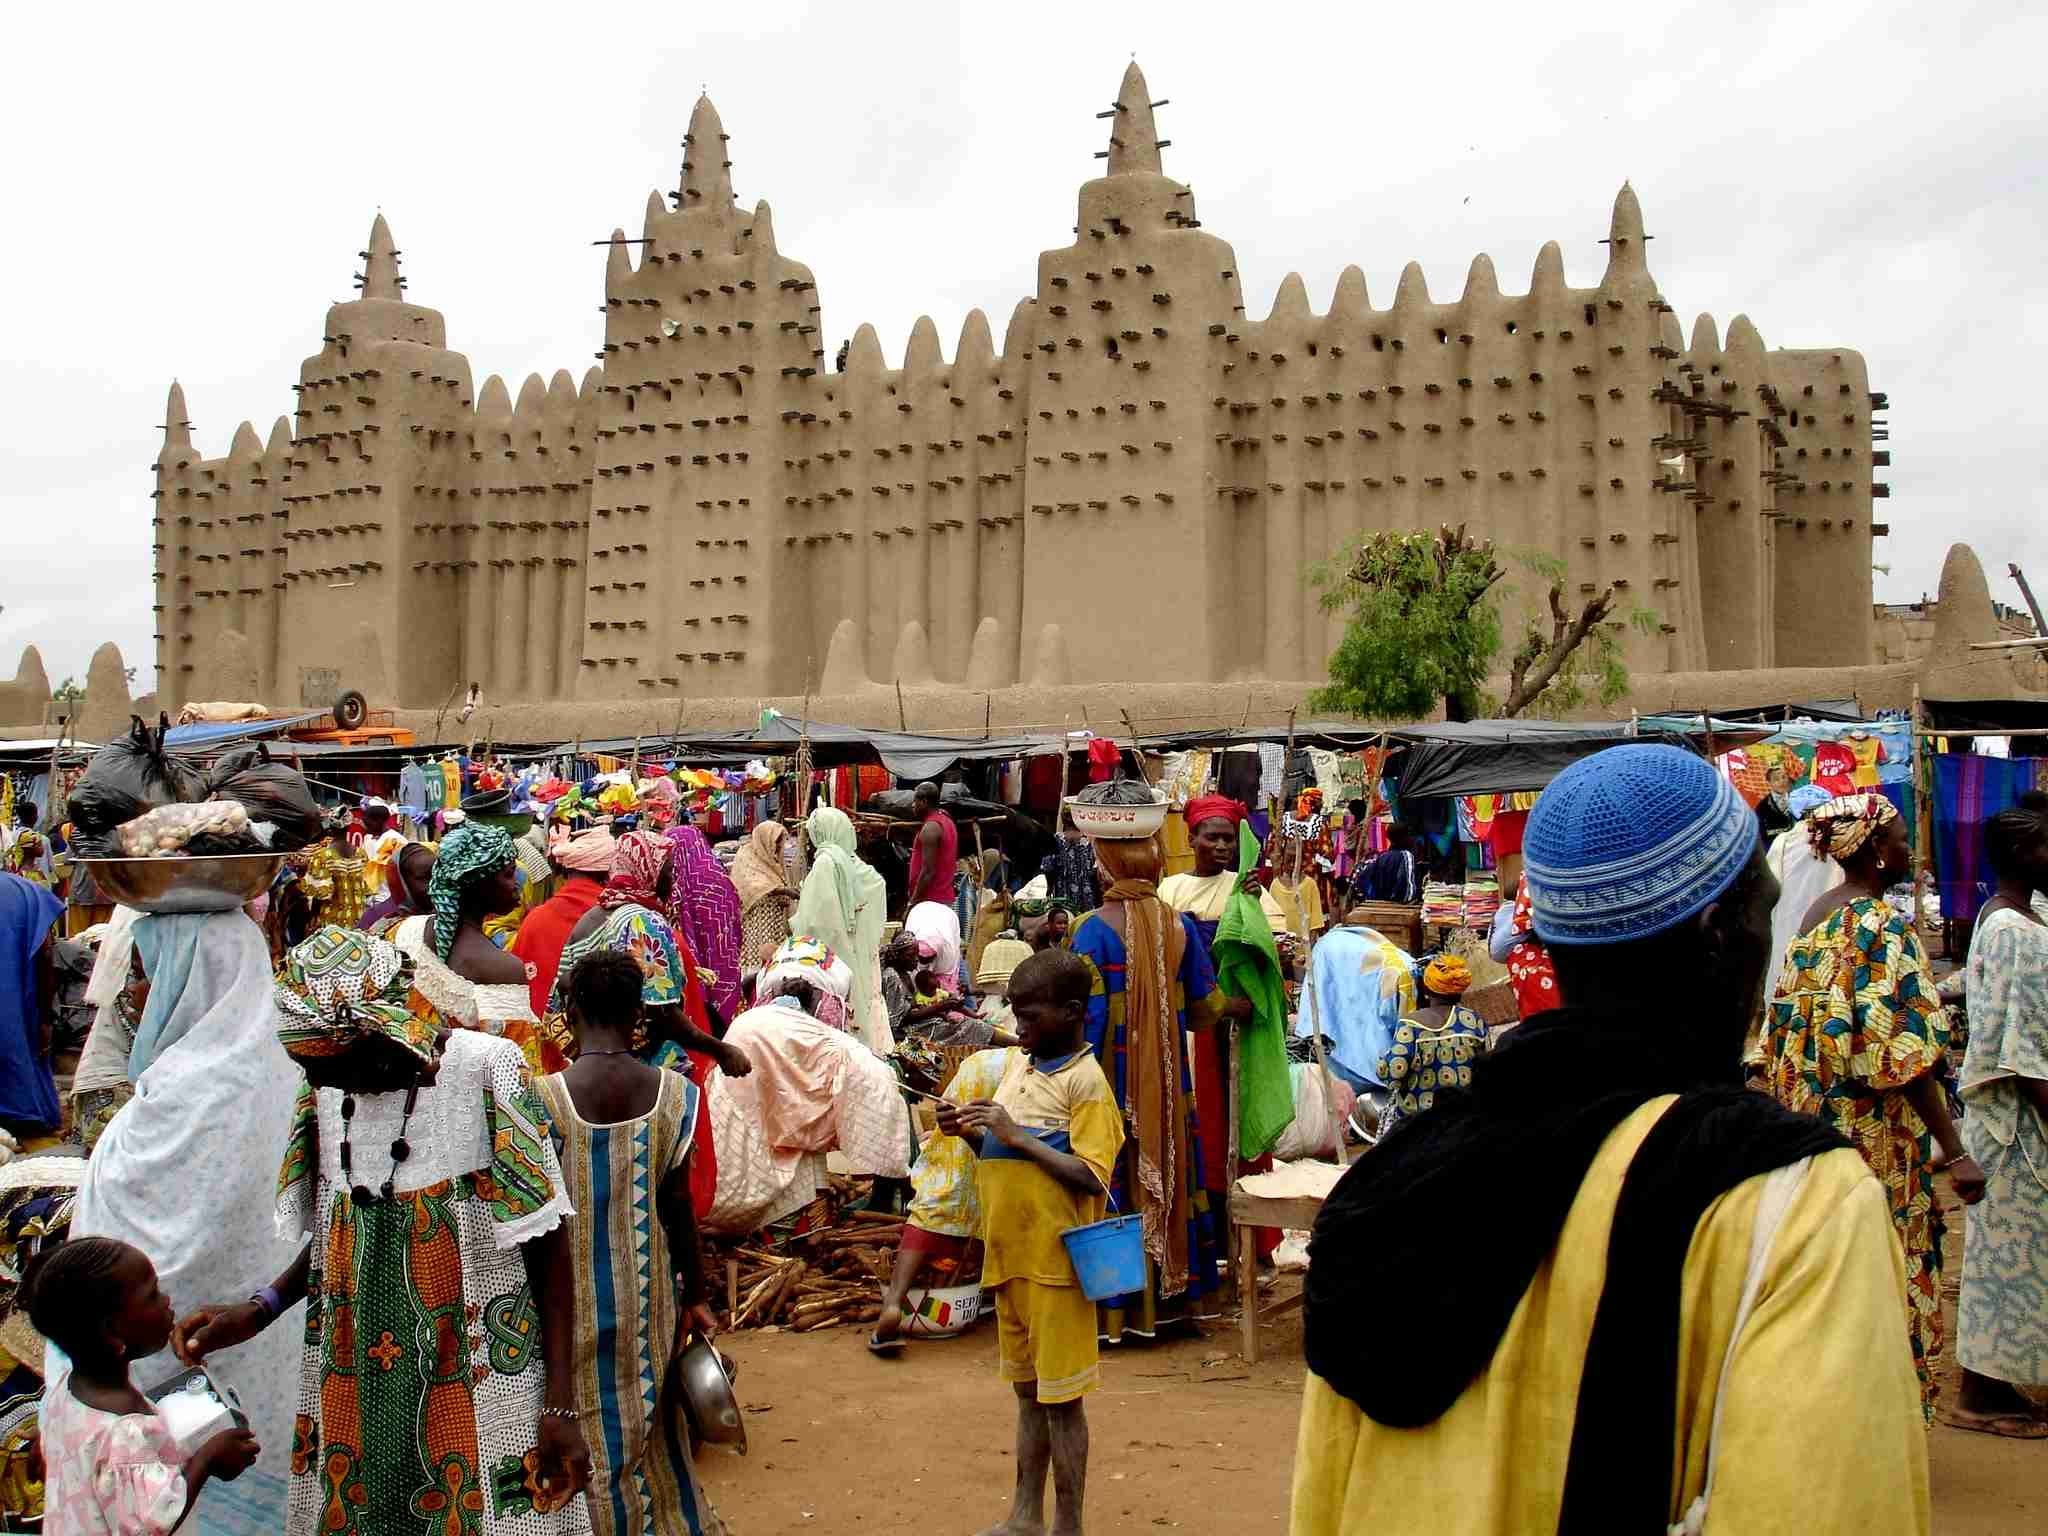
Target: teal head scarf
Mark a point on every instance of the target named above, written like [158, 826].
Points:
[471, 853]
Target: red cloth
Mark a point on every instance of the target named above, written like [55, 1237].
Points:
[1212, 1114]
[945, 864]
[1534, 979]
[935, 1245]
[1103, 757]
[1213, 808]
[703, 1155]
[544, 933]
[1834, 768]
[1045, 780]
[1508, 827]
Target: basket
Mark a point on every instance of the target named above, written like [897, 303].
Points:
[1495, 1004]
[951, 1059]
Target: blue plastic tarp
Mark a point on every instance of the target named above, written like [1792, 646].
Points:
[187, 737]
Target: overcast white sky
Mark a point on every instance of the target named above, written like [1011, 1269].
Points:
[187, 188]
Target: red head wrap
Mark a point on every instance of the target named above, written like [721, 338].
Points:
[1213, 808]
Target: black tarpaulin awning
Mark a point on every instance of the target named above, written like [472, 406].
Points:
[1491, 757]
[1986, 715]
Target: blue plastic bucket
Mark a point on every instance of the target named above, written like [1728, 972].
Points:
[1108, 1256]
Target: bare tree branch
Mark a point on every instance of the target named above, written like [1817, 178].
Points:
[1529, 679]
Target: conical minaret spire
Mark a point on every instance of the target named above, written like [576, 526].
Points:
[177, 430]
[1626, 256]
[380, 278]
[1134, 140]
[707, 173]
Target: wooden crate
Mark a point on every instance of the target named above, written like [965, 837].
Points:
[1397, 920]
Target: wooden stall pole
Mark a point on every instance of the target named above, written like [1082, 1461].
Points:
[1137, 752]
[1308, 991]
[1923, 817]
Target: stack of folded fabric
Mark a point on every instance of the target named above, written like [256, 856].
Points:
[1482, 901]
[1443, 902]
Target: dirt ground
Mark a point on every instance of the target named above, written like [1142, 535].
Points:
[1184, 1436]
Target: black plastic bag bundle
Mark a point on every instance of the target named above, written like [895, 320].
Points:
[125, 779]
[269, 791]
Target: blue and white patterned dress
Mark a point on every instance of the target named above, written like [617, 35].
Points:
[2002, 1318]
[627, 1312]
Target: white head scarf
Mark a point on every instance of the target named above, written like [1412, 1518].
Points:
[939, 927]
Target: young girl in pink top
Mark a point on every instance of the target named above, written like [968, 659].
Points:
[112, 1464]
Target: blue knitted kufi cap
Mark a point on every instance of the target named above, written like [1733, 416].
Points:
[1632, 841]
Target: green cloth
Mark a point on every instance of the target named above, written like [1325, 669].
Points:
[1248, 965]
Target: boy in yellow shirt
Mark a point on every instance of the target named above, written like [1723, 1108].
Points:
[1046, 1144]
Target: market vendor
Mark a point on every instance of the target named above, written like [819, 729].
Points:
[1213, 822]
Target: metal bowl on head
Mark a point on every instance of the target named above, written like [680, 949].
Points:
[708, 1400]
[211, 883]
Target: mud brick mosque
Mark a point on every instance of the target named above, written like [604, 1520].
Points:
[1127, 489]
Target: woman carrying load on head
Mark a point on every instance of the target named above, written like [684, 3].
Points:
[1151, 970]
[183, 1170]
[436, 1388]
[1857, 1036]
[1203, 897]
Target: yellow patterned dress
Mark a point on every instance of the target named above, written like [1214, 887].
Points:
[336, 888]
[1853, 1020]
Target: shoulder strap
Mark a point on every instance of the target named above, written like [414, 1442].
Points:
[1779, 1188]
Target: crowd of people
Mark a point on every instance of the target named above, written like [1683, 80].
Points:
[463, 1133]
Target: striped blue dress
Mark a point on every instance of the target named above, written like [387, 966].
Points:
[627, 1314]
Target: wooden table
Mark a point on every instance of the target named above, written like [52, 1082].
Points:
[1247, 1214]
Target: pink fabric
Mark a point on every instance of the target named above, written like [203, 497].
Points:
[705, 905]
[817, 1089]
[660, 801]
[109, 1474]
[636, 870]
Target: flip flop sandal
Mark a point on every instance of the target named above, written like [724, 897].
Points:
[2013, 1426]
[887, 1347]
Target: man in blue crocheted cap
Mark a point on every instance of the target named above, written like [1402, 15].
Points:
[1603, 1286]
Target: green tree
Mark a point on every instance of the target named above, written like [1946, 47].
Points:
[70, 691]
[1426, 623]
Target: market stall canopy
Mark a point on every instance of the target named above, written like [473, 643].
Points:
[905, 754]
[1843, 711]
[31, 754]
[1490, 757]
